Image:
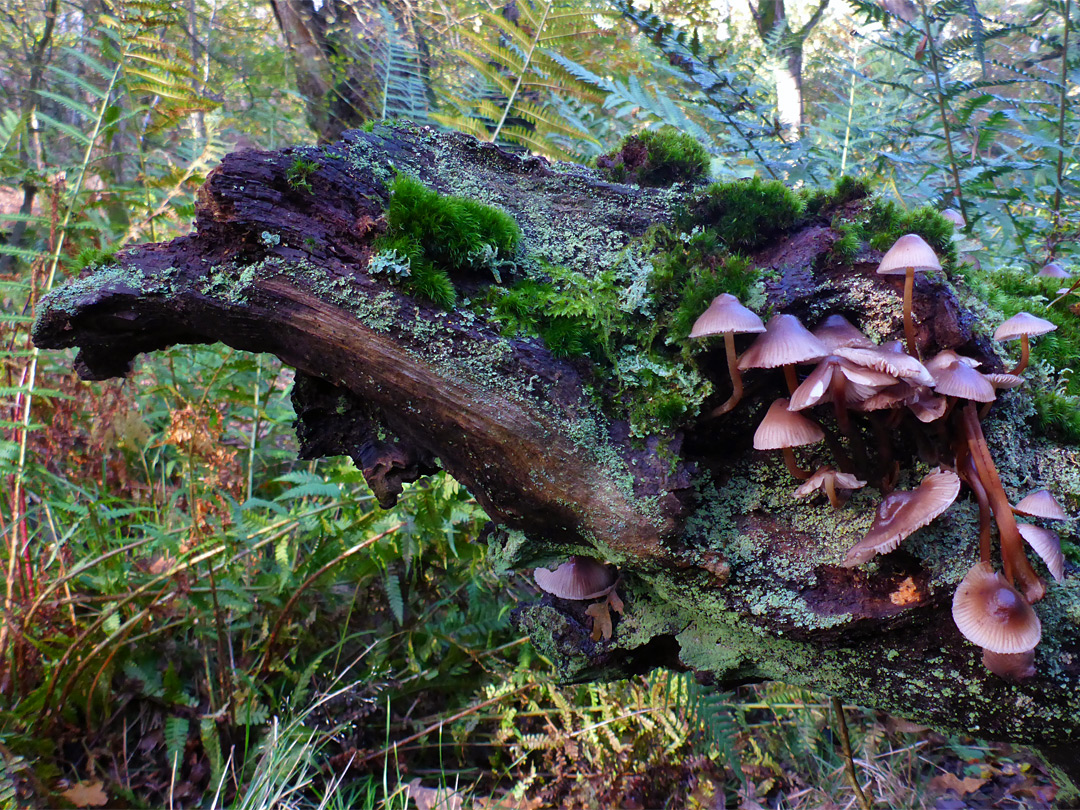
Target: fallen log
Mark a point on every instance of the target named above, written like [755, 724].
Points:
[722, 571]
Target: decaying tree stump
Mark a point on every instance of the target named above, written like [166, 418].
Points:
[722, 571]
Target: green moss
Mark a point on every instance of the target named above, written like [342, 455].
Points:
[845, 249]
[847, 189]
[745, 213]
[298, 173]
[885, 222]
[657, 158]
[442, 235]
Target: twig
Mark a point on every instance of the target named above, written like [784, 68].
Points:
[849, 761]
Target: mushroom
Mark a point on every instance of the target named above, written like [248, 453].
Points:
[1041, 504]
[726, 316]
[829, 480]
[837, 332]
[1047, 545]
[903, 512]
[1053, 270]
[954, 376]
[782, 429]
[1013, 667]
[955, 217]
[580, 578]
[908, 255]
[890, 359]
[990, 612]
[1021, 325]
[784, 343]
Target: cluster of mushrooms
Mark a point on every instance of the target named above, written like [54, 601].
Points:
[948, 393]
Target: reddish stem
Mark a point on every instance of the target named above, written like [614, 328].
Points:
[909, 321]
[1018, 569]
[736, 377]
[1025, 355]
[971, 476]
[792, 380]
[793, 465]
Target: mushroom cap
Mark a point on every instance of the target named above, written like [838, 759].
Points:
[926, 406]
[1053, 270]
[902, 512]
[785, 341]
[1047, 545]
[782, 428]
[817, 481]
[836, 331]
[1023, 323]
[909, 252]
[990, 612]
[1041, 504]
[726, 314]
[954, 377]
[1001, 380]
[1010, 666]
[955, 217]
[889, 359]
[859, 383]
[579, 578]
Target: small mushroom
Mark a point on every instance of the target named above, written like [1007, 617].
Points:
[1014, 667]
[837, 332]
[889, 359]
[580, 578]
[782, 429]
[955, 217]
[1041, 504]
[784, 343]
[1021, 325]
[1053, 270]
[1047, 545]
[903, 512]
[990, 612]
[954, 376]
[829, 480]
[726, 316]
[908, 255]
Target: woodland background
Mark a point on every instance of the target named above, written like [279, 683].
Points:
[192, 617]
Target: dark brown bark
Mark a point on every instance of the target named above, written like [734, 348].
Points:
[723, 571]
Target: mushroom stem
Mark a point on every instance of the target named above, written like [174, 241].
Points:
[971, 477]
[909, 322]
[830, 490]
[1018, 570]
[789, 375]
[793, 465]
[1025, 355]
[736, 377]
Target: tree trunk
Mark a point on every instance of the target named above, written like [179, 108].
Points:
[340, 49]
[789, 99]
[722, 570]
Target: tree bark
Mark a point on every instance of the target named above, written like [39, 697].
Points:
[722, 570]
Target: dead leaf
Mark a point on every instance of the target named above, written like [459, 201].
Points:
[86, 794]
[433, 798]
[615, 602]
[601, 616]
[950, 781]
[507, 802]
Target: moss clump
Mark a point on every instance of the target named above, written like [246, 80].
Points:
[298, 173]
[657, 158]
[885, 222]
[744, 213]
[847, 189]
[845, 249]
[442, 235]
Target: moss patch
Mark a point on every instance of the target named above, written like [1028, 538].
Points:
[745, 213]
[660, 158]
[440, 235]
